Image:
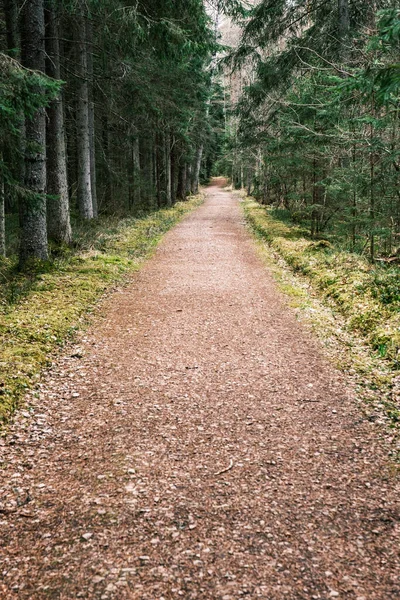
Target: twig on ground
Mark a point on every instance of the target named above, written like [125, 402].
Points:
[225, 470]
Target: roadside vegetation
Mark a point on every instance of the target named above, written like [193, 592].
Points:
[364, 296]
[41, 309]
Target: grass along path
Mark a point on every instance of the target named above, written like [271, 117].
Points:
[353, 306]
[56, 303]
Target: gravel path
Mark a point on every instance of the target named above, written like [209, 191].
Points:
[197, 445]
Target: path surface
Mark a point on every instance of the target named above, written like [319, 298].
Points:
[200, 448]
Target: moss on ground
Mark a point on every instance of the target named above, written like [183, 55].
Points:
[40, 310]
[367, 295]
[363, 300]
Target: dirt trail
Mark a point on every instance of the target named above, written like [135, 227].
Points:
[200, 447]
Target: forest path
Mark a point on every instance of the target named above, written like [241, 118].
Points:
[200, 447]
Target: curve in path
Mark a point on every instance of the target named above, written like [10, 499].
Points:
[200, 447]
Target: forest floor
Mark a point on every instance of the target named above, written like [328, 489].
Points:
[196, 443]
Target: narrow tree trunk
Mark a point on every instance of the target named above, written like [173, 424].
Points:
[181, 193]
[136, 169]
[196, 170]
[14, 161]
[155, 170]
[189, 171]
[249, 181]
[163, 170]
[93, 178]
[11, 18]
[168, 180]
[146, 173]
[158, 159]
[2, 213]
[343, 28]
[174, 172]
[84, 191]
[33, 244]
[108, 191]
[354, 208]
[92, 136]
[58, 221]
[372, 198]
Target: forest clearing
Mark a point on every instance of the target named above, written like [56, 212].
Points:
[199, 299]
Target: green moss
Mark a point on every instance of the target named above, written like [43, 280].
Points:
[367, 295]
[362, 300]
[39, 311]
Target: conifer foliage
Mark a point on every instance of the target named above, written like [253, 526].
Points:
[317, 128]
[103, 109]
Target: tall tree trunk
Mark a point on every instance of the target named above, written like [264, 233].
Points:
[196, 170]
[354, 208]
[174, 172]
[92, 135]
[157, 170]
[84, 191]
[163, 170]
[14, 161]
[108, 191]
[147, 181]
[58, 221]
[182, 187]
[372, 196]
[189, 171]
[136, 170]
[33, 244]
[249, 180]
[11, 18]
[168, 180]
[2, 212]
[343, 28]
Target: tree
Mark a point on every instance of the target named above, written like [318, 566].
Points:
[128, 132]
[318, 124]
[33, 243]
[58, 218]
[83, 139]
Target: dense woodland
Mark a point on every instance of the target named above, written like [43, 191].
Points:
[115, 107]
[104, 109]
[316, 131]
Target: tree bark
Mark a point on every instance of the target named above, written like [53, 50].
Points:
[33, 243]
[157, 170]
[189, 171]
[135, 167]
[11, 18]
[168, 180]
[174, 172]
[249, 180]
[163, 163]
[343, 28]
[146, 142]
[2, 213]
[196, 170]
[182, 176]
[84, 191]
[58, 220]
[92, 133]
[14, 161]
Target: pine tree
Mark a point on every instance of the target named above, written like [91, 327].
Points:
[58, 217]
[83, 137]
[33, 243]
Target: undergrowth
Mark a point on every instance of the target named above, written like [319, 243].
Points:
[40, 310]
[365, 297]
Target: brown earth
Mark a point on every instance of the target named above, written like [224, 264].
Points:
[198, 445]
